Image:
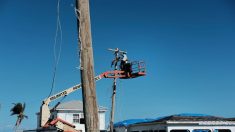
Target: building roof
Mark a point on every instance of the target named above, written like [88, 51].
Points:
[174, 118]
[75, 105]
[190, 117]
[131, 121]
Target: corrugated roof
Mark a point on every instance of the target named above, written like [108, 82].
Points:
[75, 105]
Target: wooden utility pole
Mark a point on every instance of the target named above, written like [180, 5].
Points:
[90, 106]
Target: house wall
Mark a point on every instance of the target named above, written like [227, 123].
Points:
[102, 120]
[147, 127]
[140, 128]
[68, 116]
[120, 129]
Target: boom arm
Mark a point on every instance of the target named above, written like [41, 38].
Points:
[45, 110]
[67, 91]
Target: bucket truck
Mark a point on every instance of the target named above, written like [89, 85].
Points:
[45, 118]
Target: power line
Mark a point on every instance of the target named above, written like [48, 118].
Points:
[56, 55]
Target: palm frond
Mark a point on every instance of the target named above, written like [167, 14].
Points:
[18, 109]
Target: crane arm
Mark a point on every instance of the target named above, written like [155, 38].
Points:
[45, 110]
[68, 91]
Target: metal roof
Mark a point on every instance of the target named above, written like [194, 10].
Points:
[186, 118]
[190, 117]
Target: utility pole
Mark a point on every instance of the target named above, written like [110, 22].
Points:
[90, 106]
[116, 59]
[114, 93]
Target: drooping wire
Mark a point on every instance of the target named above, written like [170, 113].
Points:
[56, 55]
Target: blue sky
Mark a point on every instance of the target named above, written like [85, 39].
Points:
[188, 47]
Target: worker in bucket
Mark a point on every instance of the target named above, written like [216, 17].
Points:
[125, 66]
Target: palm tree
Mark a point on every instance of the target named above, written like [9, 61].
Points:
[18, 110]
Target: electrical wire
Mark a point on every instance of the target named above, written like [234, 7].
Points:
[56, 55]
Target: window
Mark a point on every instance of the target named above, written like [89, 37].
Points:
[180, 130]
[75, 118]
[222, 130]
[201, 130]
[82, 121]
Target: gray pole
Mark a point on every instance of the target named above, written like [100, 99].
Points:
[90, 107]
[116, 53]
[113, 96]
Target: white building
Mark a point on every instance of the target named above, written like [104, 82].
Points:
[178, 123]
[72, 113]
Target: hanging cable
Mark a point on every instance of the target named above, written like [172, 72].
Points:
[56, 55]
